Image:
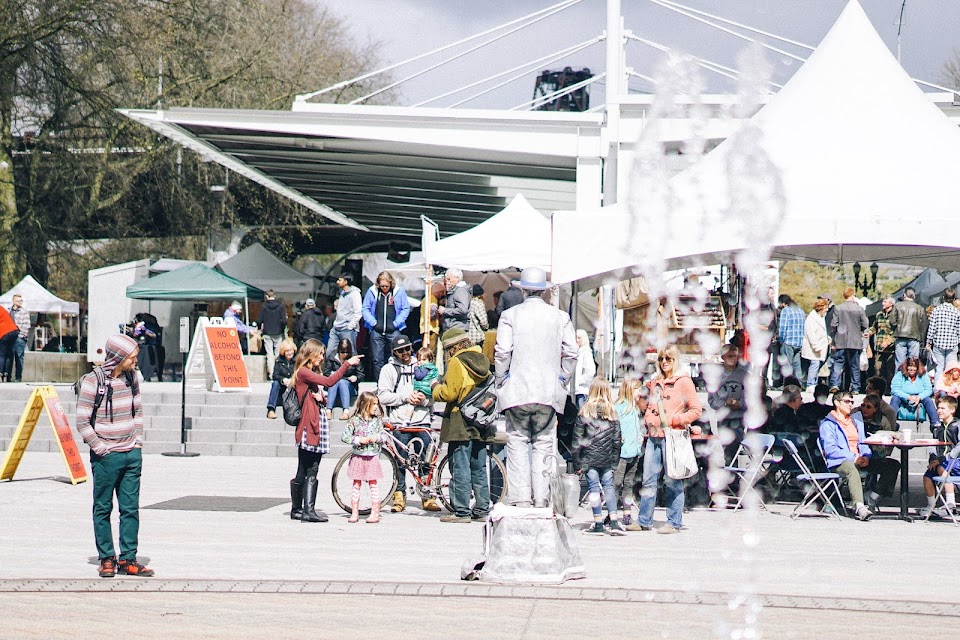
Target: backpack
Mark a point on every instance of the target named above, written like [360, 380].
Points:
[98, 396]
[479, 407]
[292, 406]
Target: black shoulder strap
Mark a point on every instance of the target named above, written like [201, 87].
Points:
[99, 394]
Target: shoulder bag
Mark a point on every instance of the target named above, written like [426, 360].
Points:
[679, 459]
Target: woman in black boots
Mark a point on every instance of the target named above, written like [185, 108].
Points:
[312, 435]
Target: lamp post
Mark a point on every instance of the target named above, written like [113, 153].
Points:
[868, 285]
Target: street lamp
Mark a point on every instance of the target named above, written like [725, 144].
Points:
[868, 285]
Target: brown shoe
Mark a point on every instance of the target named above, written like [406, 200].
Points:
[399, 502]
[430, 504]
[272, 414]
[134, 568]
[108, 567]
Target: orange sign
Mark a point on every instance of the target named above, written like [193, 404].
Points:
[44, 398]
[223, 347]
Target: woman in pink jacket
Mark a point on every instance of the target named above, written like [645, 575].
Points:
[681, 407]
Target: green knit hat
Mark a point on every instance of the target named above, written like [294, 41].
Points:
[453, 336]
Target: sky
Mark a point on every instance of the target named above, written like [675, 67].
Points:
[404, 28]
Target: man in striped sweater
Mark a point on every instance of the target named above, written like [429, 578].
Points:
[110, 421]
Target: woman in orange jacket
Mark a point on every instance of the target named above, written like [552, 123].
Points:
[8, 335]
[674, 390]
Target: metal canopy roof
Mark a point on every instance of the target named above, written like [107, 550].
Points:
[379, 168]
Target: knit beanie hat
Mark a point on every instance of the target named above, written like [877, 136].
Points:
[453, 336]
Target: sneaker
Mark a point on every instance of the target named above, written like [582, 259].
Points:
[108, 567]
[478, 517]
[595, 530]
[430, 504]
[615, 529]
[925, 511]
[667, 530]
[452, 517]
[942, 512]
[633, 526]
[272, 414]
[134, 568]
[863, 513]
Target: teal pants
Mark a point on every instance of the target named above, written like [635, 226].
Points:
[119, 473]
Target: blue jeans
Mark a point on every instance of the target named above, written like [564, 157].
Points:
[652, 467]
[19, 347]
[380, 349]
[789, 360]
[344, 390]
[336, 335]
[905, 348]
[604, 477]
[276, 390]
[849, 359]
[928, 405]
[813, 373]
[942, 358]
[468, 471]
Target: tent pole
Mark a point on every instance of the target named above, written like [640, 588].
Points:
[427, 320]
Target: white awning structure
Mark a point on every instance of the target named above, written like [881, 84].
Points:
[36, 298]
[517, 237]
[870, 171]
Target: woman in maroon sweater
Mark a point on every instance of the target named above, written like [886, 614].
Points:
[312, 435]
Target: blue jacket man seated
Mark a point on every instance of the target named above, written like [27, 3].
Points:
[841, 439]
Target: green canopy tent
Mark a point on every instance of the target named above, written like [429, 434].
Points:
[194, 282]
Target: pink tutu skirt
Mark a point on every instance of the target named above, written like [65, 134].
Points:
[364, 468]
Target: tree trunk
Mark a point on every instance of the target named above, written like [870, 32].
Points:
[8, 191]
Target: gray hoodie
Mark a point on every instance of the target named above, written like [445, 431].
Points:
[349, 309]
[395, 386]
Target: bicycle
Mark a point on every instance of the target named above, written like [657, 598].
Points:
[431, 478]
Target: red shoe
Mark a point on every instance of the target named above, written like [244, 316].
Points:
[108, 567]
[134, 568]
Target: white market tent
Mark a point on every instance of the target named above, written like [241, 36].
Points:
[516, 237]
[869, 169]
[36, 298]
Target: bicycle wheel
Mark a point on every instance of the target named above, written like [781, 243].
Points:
[496, 477]
[341, 485]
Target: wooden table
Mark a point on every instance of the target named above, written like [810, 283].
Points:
[904, 448]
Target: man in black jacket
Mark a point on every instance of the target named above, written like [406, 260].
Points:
[310, 324]
[273, 323]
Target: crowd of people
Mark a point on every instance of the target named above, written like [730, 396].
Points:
[542, 368]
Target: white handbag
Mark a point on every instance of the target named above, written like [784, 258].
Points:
[679, 459]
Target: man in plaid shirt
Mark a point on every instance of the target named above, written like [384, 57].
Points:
[943, 333]
[790, 335]
[22, 318]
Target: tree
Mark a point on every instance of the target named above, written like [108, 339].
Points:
[72, 168]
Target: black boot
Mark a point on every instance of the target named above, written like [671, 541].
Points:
[296, 500]
[310, 514]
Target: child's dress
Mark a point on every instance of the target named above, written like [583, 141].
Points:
[365, 462]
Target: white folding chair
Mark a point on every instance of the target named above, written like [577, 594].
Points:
[941, 483]
[824, 485]
[757, 446]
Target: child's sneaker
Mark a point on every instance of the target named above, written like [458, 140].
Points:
[615, 529]
[595, 530]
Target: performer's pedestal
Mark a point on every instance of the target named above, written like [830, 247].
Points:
[526, 545]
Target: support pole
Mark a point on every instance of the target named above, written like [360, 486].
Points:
[184, 349]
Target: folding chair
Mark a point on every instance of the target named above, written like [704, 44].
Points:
[757, 446]
[942, 481]
[783, 472]
[825, 485]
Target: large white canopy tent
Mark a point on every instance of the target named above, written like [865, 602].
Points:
[517, 237]
[869, 169]
[37, 299]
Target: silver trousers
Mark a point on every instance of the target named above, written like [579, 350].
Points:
[528, 482]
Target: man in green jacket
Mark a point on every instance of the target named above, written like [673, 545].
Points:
[466, 367]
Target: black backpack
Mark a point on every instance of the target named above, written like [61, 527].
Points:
[293, 406]
[98, 396]
[479, 407]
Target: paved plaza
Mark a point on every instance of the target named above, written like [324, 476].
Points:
[252, 572]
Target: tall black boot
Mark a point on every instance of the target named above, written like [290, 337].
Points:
[296, 500]
[310, 514]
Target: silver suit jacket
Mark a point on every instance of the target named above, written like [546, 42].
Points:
[535, 355]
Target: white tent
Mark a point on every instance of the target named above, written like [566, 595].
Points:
[36, 299]
[518, 237]
[869, 169]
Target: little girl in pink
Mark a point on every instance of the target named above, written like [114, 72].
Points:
[365, 433]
